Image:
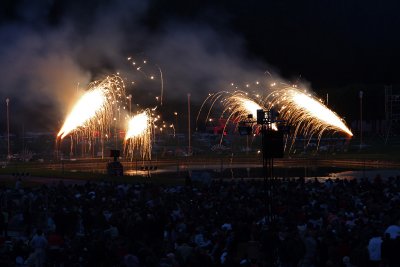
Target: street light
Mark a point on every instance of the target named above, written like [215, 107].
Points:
[8, 130]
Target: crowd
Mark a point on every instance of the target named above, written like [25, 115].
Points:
[222, 223]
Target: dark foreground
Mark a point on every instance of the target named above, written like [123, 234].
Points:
[335, 223]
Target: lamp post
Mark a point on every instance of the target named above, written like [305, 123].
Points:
[173, 127]
[176, 121]
[327, 99]
[8, 130]
[361, 119]
[130, 103]
[115, 133]
[190, 146]
[271, 147]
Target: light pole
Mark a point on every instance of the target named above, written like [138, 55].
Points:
[130, 103]
[176, 121]
[189, 148]
[115, 133]
[173, 127]
[271, 147]
[361, 119]
[8, 130]
[327, 99]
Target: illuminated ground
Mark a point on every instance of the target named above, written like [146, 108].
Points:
[176, 170]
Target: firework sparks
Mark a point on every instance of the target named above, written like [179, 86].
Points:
[139, 134]
[238, 106]
[241, 105]
[148, 71]
[298, 108]
[305, 112]
[96, 109]
[86, 108]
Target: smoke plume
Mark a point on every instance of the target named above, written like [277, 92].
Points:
[50, 50]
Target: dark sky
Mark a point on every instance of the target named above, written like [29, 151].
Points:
[330, 43]
[47, 47]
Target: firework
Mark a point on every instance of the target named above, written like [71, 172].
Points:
[305, 112]
[237, 106]
[84, 110]
[240, 105]
[149, 71]
[139, 135]
[298, 108]
[96, 109]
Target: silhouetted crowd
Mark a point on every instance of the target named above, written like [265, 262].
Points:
[283, 222]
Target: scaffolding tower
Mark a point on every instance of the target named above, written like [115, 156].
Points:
[392, 112]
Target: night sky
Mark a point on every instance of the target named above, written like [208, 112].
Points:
[330, 43]
[335, 47]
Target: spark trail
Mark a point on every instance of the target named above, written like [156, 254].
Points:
[300, 109]
[305, 112]
[96, 109]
